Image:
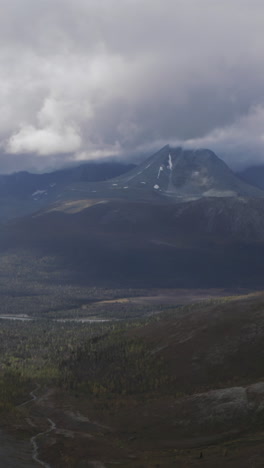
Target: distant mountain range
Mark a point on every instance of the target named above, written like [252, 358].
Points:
[172, 174]
[23, 184]
[23, 193]
[253, 175]
[182, 218]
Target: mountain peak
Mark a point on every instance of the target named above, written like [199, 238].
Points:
[176, 174]
[185, 174]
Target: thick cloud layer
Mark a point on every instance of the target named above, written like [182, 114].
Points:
[89, 79]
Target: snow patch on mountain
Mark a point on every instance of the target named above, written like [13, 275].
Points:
[39, 193]
[160, 170]
[170, 163]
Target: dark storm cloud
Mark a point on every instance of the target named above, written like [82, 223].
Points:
[96, 78]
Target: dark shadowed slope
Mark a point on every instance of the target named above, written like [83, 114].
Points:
[204, 243]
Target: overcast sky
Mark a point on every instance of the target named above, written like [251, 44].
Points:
[85, 79]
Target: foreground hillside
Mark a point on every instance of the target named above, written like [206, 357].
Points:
[162, 391]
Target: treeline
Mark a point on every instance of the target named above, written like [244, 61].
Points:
[14, 388]
[114, 364]
[100, 359]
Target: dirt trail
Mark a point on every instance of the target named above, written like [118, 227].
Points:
[33, 397]
[33, 440]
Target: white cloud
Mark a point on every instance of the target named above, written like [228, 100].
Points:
[97, 77]
[244, 138]
[44, 142]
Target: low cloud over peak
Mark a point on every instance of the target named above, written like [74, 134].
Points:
[93, 78]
